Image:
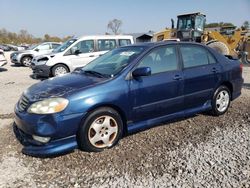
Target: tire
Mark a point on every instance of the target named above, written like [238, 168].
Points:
[26, 61]
[220, 47]
[221, 100]
[59, 70]
[101, 129]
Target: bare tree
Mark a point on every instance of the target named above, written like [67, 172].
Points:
[114, 25]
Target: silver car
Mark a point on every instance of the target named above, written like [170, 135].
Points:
[25, 57]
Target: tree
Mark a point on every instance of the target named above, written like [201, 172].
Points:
[114, 25]
[245, 25]
[220, 24]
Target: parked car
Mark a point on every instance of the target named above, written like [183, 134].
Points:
[3, 60]
[24, 57]
[125, 90]
[78, 54]
[12, 47]
[5, 47]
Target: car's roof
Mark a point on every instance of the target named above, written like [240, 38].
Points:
[105, 37]
[155, 44]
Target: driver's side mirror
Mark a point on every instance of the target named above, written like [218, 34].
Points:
[75, 51]
[141, 71]
[37, 49]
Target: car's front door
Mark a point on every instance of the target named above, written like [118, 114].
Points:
[160, 93]
[82, 53]
[201, 74]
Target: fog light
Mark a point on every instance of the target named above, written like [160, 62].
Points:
[41, 139]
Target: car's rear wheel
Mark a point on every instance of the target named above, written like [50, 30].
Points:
[26, 61]
[221, 100]
[59, 70]
[100, 130]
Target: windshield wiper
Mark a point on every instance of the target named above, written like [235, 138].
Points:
[95, 73]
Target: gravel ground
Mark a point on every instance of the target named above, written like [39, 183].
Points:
[201, 151]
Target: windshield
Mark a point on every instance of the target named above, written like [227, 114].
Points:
[32, 47]
[113, 61]
[64, 46]
[185, 23]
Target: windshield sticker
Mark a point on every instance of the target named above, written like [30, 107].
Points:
[127, 53]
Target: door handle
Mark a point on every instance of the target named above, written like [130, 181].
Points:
[177, 77]
[214, 70]
[91, 56]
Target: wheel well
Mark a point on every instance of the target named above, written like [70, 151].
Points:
[59, 64]
[229, 86]
[28, 55]
[116, 108]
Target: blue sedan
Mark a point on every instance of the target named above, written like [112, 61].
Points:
[126, 90]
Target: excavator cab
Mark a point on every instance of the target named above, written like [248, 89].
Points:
[190, 27]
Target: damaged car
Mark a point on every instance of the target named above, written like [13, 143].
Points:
[126, 90]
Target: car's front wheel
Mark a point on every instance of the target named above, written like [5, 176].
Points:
[221, 100]
[26, 61]
[100, 130]
[59, 70]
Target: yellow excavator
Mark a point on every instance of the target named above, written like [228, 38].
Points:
[191, 27]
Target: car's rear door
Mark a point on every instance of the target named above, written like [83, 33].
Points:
[201, 74]
[160, 93]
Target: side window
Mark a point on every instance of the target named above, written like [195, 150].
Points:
[124, 42]
[193, 56]
[106, 44]
[211, 58]
[43, 47]
[160, 60]
[84, 46]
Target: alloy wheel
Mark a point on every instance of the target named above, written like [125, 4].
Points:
[222, 100]
[103, 131]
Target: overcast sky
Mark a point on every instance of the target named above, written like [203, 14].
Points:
[83, 17]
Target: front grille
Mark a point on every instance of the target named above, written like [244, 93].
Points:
[23, 103]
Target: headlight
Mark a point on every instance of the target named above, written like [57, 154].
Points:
[49, 106]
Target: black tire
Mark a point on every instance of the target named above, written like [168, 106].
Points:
[26, 61]
[55, 70]
[220, 47]
[86, 129]
[216, 107]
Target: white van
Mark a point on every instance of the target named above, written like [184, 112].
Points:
[77, 53]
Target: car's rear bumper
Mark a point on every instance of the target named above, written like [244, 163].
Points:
[237, 86]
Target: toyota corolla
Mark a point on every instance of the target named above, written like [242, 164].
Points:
[126, 90]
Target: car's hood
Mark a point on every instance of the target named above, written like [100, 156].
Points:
[61, 86]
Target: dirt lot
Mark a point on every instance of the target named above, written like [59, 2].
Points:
[202, 151]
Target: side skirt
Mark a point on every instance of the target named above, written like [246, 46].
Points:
[142, 125]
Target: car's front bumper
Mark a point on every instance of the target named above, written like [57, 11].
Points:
[41, 70]
[61, 129]
[36, 149]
